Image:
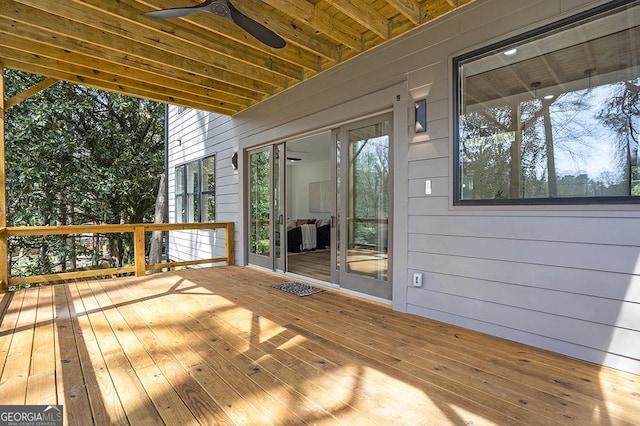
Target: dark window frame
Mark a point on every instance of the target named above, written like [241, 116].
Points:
[575, 20]
[185, 214]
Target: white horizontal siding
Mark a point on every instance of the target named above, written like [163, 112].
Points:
[620, 287]
[564, 278]
[589, 230]
[597, 257]
[191, 137]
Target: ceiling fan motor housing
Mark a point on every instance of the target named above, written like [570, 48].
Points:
[221, 8]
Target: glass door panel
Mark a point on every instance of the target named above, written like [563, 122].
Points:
[365, 206]
[278, 207]
[260, 219]
[335, 208]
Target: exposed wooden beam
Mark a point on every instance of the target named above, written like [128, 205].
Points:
[70, 52]
[114, 75]
[311, 15]
[118, 45]
[409, 8]
[136, 54]
[363, 14]
[37, 88]
[241, 46]
[135, 91]
[200, 61]
[291, 32]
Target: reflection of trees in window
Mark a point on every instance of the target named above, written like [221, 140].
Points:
[568, 146]
[622, 115]
[260, 204]
[209, 189]
[370, 175]
[485, 159]
[556, 116]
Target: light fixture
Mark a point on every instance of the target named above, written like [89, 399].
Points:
[589, 73]
[421, 116]
[294, 159]
[548, 97]
[535, 86]
[510, 52]
[234, 161]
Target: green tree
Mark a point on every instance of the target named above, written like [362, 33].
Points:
[78, 155]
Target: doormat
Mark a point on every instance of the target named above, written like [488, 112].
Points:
[298, 289]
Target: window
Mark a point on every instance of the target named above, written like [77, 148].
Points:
[553, 116]
[195, 191]
[207, 190]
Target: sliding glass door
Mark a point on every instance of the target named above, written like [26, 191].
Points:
[266, 214]
[320, 206]
[365, 207]
[260, 218]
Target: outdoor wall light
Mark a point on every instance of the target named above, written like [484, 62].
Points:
[421, 116]
[234, 161]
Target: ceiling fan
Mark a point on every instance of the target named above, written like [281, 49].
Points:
[225, 9]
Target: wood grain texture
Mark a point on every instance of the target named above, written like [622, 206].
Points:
[201, 61]
[221, 346]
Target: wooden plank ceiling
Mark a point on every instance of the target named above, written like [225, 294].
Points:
[199, 61]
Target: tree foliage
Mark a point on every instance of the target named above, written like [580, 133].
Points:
[77, 155]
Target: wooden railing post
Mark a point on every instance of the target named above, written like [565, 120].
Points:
[4, 260]
[138, 250]
[230, 243]
[4, 237]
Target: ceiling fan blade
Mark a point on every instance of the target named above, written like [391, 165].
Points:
[177, 12]
[259, 31]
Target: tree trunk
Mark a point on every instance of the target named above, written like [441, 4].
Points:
[551, 162]
[155, 247]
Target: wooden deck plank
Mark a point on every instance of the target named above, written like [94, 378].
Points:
[575, 393]
[13, 382]
[265, 377]
[243, 345]
[42, 375]
[43, 342]
[199, 403]
[292, 404]
[130, 392]
[7, 331]
[164, 399]
[332, 386]
[515, 366]
[211, 381]
[105, 405]
[220, 346]
[70, 382]
[378, 365]
[536, 401]
[542, 400]
[628, 416]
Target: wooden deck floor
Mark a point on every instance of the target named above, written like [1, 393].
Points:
[220, 346]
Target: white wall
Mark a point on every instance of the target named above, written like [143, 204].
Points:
[190, 138]
[560, 278]
[299, 176]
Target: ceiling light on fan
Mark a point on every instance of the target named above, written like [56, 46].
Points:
[226, 10]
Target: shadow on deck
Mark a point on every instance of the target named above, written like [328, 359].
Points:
[220, 346]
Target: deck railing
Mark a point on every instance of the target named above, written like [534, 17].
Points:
[140, 266]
